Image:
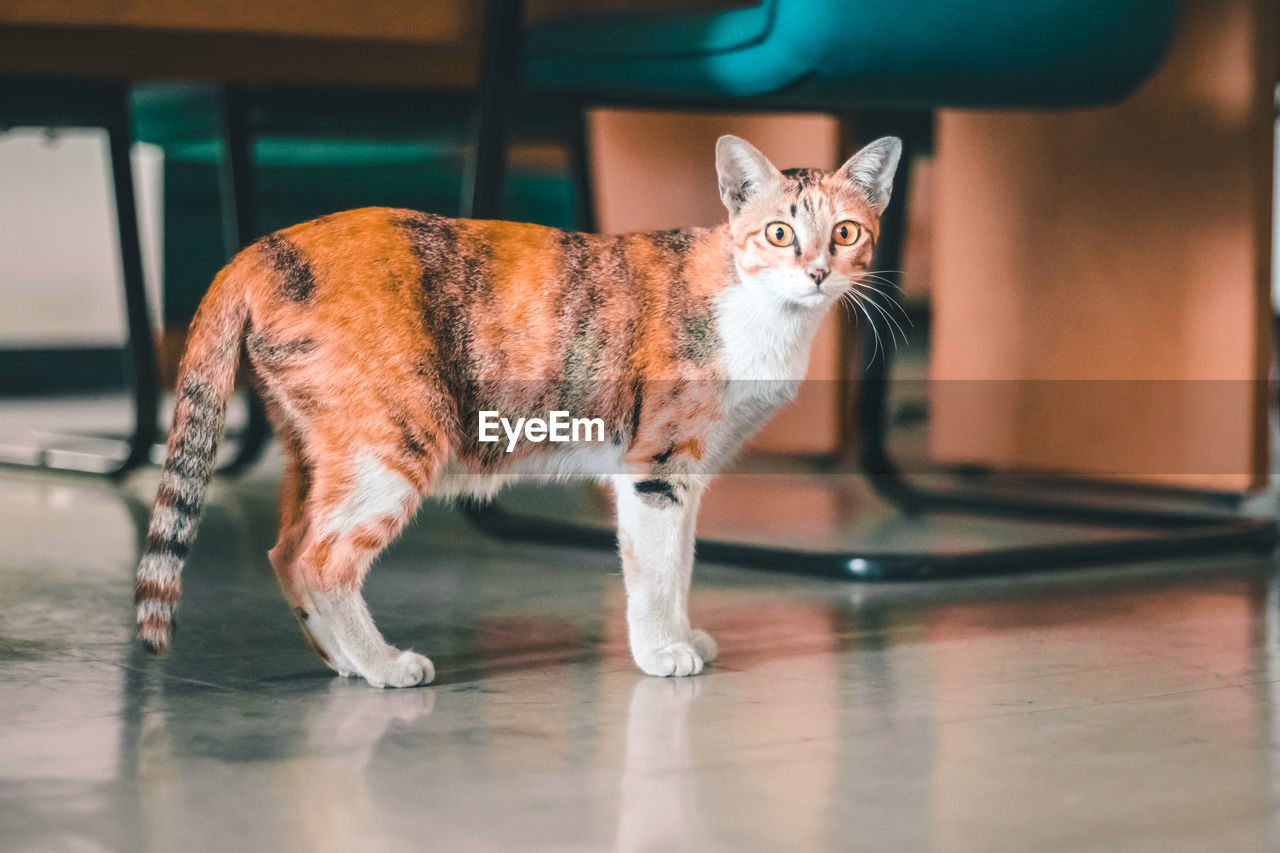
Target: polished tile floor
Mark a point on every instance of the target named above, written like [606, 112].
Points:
[1132, 709]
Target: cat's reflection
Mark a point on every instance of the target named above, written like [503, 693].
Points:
[330, 783]
[657, 805]
[204, 754]
[351, 719]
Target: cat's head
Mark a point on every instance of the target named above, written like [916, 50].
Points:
[804, 236]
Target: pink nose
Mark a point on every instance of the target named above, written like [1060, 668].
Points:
[818, 275]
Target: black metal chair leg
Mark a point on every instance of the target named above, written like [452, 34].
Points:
[485, 176]
[240, 227]
[143, 368]
[580, 171]
[105, 106]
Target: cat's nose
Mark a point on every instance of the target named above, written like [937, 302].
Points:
[818, 275]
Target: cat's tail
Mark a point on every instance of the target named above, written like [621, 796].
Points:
[206, 378]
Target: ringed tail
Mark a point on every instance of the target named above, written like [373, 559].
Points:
[206, 378]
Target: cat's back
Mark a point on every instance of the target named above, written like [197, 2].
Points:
[509, 299]
[360, 256]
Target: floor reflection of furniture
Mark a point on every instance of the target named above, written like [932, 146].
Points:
[104, 105]
[910, 56]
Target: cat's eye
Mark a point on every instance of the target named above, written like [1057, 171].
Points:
[779, 234]
[846, 233]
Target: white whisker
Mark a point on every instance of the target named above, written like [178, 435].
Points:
[858, 303]
[879, 307]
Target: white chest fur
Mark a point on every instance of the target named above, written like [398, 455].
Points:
[765, 354]
[766, 340]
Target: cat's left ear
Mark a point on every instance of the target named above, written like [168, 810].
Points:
[744, 172]
[872, 169]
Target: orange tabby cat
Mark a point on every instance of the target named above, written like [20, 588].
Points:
[382, 341]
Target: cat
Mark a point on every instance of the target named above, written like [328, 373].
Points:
[377, 338]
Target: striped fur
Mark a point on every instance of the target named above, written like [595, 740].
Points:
[207, 376]
[377, 337]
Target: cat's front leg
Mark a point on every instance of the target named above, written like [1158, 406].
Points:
[656, 527]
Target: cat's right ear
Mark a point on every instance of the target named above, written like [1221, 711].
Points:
[744, 172]
[872, 169]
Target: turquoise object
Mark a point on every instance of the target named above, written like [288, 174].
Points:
[301, 175]
[828, 55]
[844, 54]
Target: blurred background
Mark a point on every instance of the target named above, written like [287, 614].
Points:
[1074, 366]
[1081, 263]
[1111, 245]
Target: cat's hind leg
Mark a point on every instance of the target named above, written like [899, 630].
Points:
[353, 511]
[294, 487]
[656, 528]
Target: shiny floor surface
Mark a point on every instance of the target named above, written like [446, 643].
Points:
[1131, 709]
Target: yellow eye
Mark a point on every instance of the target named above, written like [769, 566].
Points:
[779, 234]
[846, 233]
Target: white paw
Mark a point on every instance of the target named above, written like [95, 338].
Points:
[705, 646]
[407, 670]
[677, 659]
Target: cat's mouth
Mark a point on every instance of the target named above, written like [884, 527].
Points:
[812, 297]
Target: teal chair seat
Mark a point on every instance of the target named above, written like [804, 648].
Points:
[313, 153]
[183, 120]
[897, 54]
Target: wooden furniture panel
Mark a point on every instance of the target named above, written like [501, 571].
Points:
[1128, 243]
[383, 20]
[329, 42]
[391, 43]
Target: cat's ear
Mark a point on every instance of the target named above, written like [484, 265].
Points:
[872, 169]
[744, 172]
